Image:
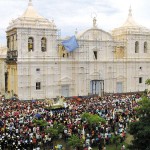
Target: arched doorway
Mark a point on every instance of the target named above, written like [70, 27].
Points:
[97, 87]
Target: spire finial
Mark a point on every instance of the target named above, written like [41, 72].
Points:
[130, 11]
[30, 3]
[93, 16]
[76, 31]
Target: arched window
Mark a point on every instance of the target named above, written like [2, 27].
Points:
[43, 44]
[136, 47]
[30, 44]
[145, 47]
[8, 42]
[95, 55]
[11, 42]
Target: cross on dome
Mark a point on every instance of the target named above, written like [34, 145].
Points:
[130, 21]
[130, 11]
[30, 3]
[94, 22]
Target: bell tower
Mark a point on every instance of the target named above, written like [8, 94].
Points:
[31, 42]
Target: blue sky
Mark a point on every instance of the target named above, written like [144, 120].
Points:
[70, 15]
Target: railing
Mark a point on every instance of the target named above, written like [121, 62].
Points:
[12, 55]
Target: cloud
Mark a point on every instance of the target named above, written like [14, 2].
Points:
[71, 14]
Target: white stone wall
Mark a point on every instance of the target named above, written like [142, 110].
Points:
[74, 74]
[80, 68]
[2, 76]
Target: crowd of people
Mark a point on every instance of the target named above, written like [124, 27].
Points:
[19, 132]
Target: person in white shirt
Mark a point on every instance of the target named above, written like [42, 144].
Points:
[38, 148]
[89, 148]
[123, 147]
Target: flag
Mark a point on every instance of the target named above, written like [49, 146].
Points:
[70, 44]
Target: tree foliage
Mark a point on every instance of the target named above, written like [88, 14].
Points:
[92, 118]
[116, 140]
[59, 126]
[40, 122]
[75, 141]
[147, 82]
[141, 129]
[55, 130]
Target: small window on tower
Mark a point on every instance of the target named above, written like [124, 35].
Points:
[38, 85]
[140, 79]
[95, 54]
[8, 42]
[43, 44]
[136, 47]
[30, 44]
[145, 47]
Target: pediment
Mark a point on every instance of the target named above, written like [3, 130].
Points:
[121, 77]
[66, 79]
[95, 49]
[95, 74]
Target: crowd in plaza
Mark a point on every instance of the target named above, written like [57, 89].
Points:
[19, 132]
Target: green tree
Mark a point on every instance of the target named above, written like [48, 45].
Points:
[147, 82]
[92, 118]
[55, 130]
[141, 129]
[116, 140]
[75, 142]
[147, 91]
[85, 116]
[41, 123]
[59, 126]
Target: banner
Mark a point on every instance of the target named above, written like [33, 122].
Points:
[70, 44]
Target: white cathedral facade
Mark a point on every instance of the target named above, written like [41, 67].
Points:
[38, 67]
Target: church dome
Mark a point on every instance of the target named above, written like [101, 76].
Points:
[31, 12]
[130, 27]
[32, 19]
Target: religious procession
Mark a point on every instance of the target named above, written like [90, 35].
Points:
[41, 125]
[80, 91]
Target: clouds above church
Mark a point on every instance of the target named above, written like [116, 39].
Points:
[71, 14]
